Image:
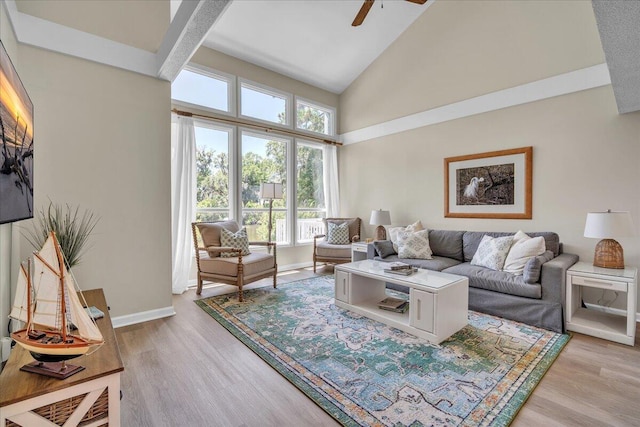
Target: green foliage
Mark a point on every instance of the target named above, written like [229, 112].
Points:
[72, 230]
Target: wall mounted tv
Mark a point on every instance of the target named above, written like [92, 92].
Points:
[16, 149]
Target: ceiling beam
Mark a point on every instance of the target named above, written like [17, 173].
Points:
[188, 29]
[618, 23]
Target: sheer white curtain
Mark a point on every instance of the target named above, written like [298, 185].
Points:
[331, 190]
[183, 198]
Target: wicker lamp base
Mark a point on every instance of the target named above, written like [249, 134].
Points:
[381, 233]
[608, 254]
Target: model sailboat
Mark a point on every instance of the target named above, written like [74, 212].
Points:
[47, 301]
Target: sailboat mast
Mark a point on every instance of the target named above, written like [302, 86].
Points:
[63, 307]
[28, 293]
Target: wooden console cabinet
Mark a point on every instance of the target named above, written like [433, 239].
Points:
[88, 398]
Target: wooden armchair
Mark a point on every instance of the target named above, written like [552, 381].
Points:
[234, 269]
[324, 251]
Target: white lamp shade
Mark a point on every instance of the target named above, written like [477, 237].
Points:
[380, 217]
[608, 225]
[270, 190]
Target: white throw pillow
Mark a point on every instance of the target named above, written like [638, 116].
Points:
[414, 245]
[522, 250]
[492, 252]
[393, 232]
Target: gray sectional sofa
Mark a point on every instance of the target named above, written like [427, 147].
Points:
[539, 303]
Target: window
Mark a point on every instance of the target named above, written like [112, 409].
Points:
[315, 118]
[204, 88]
[264, 104]
[264, 159]
[309, 191]
[213, 172]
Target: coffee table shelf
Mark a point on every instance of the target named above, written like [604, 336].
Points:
[438, 302]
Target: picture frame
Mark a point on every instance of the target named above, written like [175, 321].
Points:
[496, 184]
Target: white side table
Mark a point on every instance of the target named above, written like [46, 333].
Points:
[358, 251]
[608, 326]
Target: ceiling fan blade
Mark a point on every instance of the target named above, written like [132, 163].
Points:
[362, 13]
[418, 1]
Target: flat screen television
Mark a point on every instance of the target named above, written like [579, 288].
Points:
[16, 145]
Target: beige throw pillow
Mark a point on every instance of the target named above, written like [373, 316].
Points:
[522, 250]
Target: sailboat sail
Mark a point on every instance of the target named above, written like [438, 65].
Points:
[19, 309]
[46, 283]
[86, 327]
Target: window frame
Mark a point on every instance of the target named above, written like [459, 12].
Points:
[268, 91]
[319, 106]
[231, 81]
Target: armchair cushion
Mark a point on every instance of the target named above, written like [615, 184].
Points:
[238, 240]
[210, 232]
[254, 263]
[327, 250]
[338, 234]
[353, 224]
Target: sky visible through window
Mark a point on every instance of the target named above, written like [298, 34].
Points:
[199, 89]
[262, 105]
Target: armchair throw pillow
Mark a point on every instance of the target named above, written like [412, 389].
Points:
[414, 245]
[338, 234]
[492, 252]
[238, 240]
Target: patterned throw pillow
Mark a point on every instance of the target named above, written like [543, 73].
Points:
[492, 252]
[238, 240]
[338, 234]
[394, 231]
[414, 245]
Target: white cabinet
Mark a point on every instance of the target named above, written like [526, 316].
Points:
[596, 323]
[423, 310]
[358, 251]
[342, 285]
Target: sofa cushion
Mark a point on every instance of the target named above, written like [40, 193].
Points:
[446, 243]
[533, 268]
[327, 250]
[522, 250]
[338, 234]
[498, 281]
[414, 244]
[252, 264]
[492, 252]
[436, 263]
[238, 240]
[471, 240]
[384, 248]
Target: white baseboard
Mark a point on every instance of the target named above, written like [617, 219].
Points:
[610, 310]
[143, 316]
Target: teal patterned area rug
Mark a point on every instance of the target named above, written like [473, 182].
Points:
[363, 372]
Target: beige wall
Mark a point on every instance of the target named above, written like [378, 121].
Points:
[287, 256]
[457, 50]
[103, 142]
[586, 155]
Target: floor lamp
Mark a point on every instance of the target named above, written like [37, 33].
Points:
[270, 191]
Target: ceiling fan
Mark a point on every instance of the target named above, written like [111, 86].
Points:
[367, 6]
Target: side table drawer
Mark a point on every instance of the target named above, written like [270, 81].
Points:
[421, 310]
[599, 283]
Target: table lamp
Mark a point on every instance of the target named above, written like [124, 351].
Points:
[606, 226]
[380, 218]
[270, 191]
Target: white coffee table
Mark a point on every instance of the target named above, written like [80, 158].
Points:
[438, 302]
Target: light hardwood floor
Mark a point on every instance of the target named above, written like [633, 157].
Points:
[187, 370]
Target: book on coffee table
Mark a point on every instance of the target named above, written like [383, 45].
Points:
[391, 303]
[397, 265]
[402, 272]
